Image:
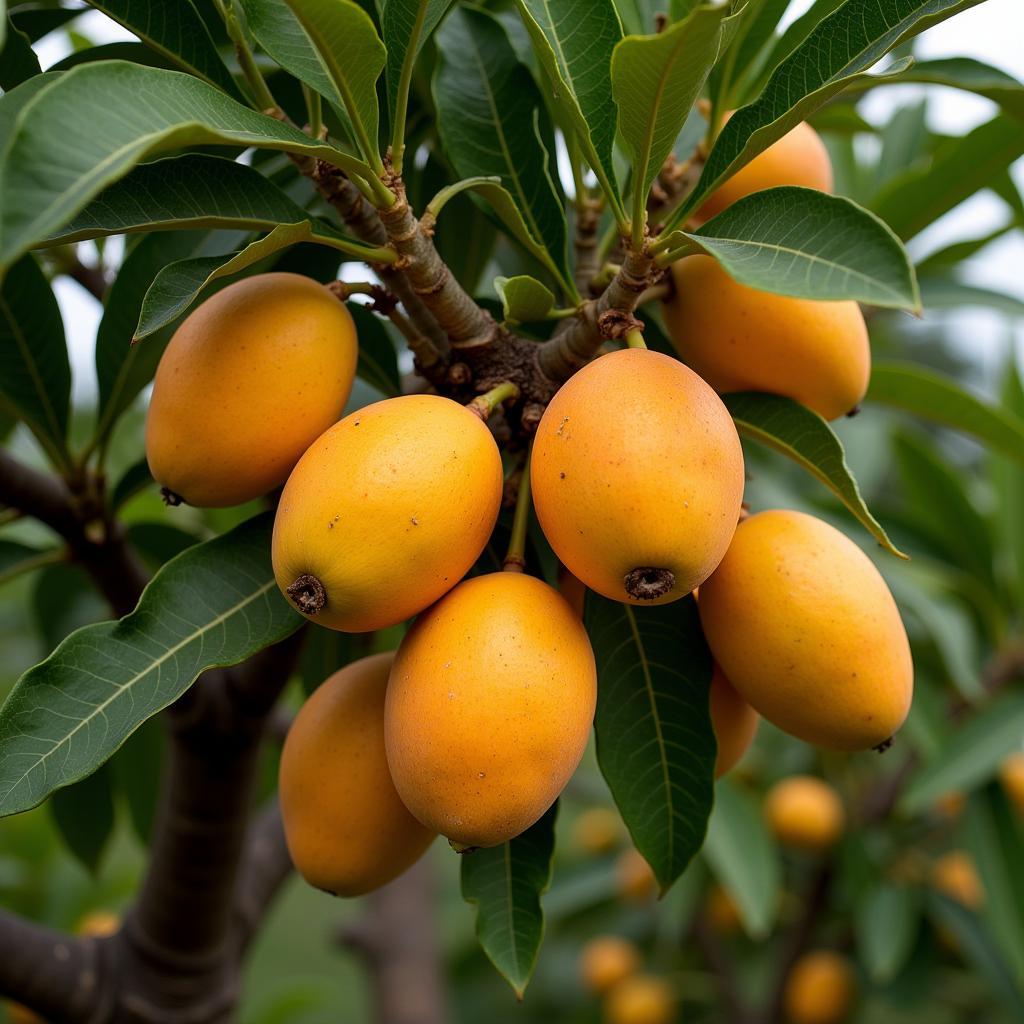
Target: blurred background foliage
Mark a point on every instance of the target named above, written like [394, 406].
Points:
[927, 949]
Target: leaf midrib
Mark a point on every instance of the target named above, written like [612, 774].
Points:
[810, 257]
[119, 691]
[663, 759]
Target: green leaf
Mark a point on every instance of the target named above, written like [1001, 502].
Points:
[793, 36]
[123, 369]
[35, 375]
[970, 756]
[747, 52]
[802, 435]
[14, 100]
[959, 169]
[93, 124]
[193, 191]
[136, 53]
[887, 920]
[406, 26]
[493, 125]
[655, 81]
[809, 244]
[18, 62]
[933, 397]
[16, 558]
[655, 744]
[178, 285]
[574, 41]
[84, 815]
[506, 883]
[214, 605]
[36, 21]
[346, 41]
[638, 15]
[176, 31]
[970, 75]
[950, 256]
[523, 298]
[378, 364]
[941, 291]
[978, 949]
[744, 857]
[996, 844]
[943, 511]
[905, 140]
[840, 47]
[136, 765]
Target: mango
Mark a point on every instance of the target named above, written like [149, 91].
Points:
[641, 999]
[637, 476]
[1011, 775]
[249, 380]
[634, 878]
[606, 960]
[489, 707]
[733, 720]
[347, 831]
[741, 339]
[806, 630]
[721, 911]
[798, 158]
[955, 876]
[805, 813]
[820, 989]
[597, 831]
[386, 512]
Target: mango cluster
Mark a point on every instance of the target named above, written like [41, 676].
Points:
[473, 727]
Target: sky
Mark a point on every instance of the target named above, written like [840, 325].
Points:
[992, 32]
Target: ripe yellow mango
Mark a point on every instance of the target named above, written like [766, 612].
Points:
[734, 722]
[641, 999]
[489, 707]
[347, 830]
[820, 989]
[637, 476]
[607, 960]
[386, 512]
[251, 378]
[805, 628]
[955, 875]
[1011, 775]
[741, 339]
[798, 158]
[805, 813]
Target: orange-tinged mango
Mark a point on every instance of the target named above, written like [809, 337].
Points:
[597, 831]
[347, 830]
[741, 339]
[641, 999]
[798, 158]
[634, 877]
[734, 722]
[955, 875]
[606, 960]
[1011, 775]
[805, 813]
[805, 628]
[250, 379]
[721, 911]
[637, 476]
[820, 989]
[489, 707]
[386, 512]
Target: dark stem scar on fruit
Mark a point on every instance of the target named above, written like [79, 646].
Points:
[460, 849]
[308, 594]
[884, 745]
[648, 584]
[171, 500]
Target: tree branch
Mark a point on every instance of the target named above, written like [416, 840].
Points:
[266, 865]
[454, 309]
[397, 939]
[54, 974]
[96, 540]
[607, 318]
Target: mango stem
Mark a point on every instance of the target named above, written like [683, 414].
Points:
[515, 560]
